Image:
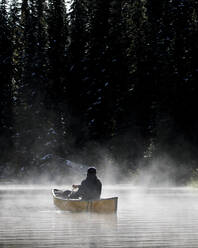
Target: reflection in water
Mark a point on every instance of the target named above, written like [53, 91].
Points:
[145, 218]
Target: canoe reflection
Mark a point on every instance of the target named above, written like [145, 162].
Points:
[91, 218]
[86, 229]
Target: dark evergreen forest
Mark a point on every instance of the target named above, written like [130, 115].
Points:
[105, 76]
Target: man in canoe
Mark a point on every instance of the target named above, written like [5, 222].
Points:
[89, 189]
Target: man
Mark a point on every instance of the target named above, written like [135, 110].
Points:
[89, 189]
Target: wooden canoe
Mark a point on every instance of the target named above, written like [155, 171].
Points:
[107, 205]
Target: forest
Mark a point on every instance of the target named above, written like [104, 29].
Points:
[89, 78]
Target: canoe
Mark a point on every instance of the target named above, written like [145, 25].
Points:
[106, 205]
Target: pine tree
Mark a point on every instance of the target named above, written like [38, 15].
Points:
[170, 67]
[185, 91]
[6, 115]
[31, 119]
[57, 88]
[58, 38]
[15, 25]
[97, 91]
[138, 97]
[77, 68]
[117, 64]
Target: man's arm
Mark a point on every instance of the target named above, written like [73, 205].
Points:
[100, 187]
[75, 186]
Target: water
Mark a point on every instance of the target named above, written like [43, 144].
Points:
[165, 217]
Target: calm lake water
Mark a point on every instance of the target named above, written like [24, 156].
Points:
[154, 217]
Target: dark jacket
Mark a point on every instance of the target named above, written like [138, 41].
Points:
[90, 188]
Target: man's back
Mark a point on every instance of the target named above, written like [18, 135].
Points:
[90, 188]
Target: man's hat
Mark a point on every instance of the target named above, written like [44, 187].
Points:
[91, 170]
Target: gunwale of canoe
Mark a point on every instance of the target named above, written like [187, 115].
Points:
[106, 205]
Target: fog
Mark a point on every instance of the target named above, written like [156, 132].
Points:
[158, 172]
[146, 217]
[153, 209]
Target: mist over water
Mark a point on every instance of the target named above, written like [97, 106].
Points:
[146, 217]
